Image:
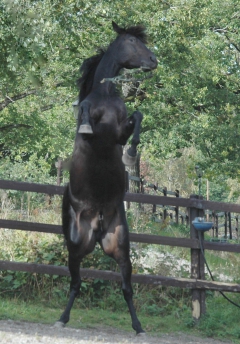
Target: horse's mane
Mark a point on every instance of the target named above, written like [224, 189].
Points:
[90, 65]
[138, 31]
[88, 70]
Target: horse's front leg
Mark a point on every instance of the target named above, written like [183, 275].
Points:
[84, 115]
[134, 123]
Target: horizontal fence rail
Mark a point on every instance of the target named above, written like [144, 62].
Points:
[134, 237]
[129, 197]
[161, 213]
[116, 276]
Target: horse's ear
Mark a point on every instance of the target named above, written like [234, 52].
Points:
[116, 28]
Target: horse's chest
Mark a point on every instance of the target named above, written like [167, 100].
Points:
[109, 110]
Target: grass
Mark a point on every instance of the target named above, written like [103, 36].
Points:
[16, 309]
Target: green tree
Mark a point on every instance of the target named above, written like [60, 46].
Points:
[197, 103]
[192, 100]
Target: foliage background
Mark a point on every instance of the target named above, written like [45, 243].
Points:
[191, 116]
[191, 102]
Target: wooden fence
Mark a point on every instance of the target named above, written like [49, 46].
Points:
[225, 224]
[196, 207]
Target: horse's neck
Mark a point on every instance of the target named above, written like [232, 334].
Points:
[107, 68]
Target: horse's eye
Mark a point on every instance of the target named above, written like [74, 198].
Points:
[132, 39]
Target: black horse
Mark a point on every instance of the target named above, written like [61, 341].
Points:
[93, 209]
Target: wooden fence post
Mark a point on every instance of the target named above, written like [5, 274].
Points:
[236, 227]
[197, 265]
[230, 225]
[141, 191]
[177, 209]
[126, 181]
[164, 209]
[154, 207]
[58, 165]
[142, 184]
[213, 218]
[225, 224]
[216, 232]
[127, 187]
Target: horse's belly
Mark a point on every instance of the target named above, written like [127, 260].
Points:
[98, 182]
[107, 185]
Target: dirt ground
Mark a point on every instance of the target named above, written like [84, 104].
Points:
[23, 332]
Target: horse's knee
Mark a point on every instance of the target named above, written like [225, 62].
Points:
[126, 271]
[74, 266]
[75, 286]
[85, 126]
[132, 151]
[135, 141]
[138, 115]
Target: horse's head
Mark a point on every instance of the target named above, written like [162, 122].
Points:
[131, 50]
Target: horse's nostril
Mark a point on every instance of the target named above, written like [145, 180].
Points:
[154, 60]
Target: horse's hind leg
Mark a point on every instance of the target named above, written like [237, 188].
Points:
[130, 156]
[126, 271]
[74, 266]
[115, 243]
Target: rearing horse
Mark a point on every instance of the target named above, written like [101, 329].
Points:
[92, 209]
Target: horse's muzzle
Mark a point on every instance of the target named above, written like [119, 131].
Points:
[151, 64]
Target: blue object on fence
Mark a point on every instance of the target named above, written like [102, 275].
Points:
[201, 225]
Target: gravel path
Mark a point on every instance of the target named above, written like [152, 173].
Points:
[22, 332]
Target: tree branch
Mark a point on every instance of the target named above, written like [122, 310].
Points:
[234, 44]
[13, 126]
[220, 30]
[225, 31]
[46, 107]
[9, 100]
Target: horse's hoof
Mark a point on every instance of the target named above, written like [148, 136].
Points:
[85, 129]
[141, 334]
[129, 160]
[59, 324]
